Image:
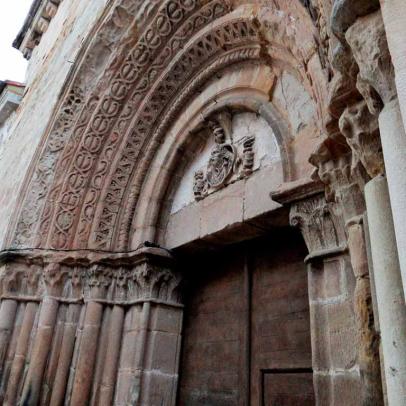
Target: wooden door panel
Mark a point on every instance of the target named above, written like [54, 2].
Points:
[280, 337]
[288, 389]
[246, 314]
[213, 341]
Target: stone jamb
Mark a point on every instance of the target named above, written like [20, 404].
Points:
[95, 281]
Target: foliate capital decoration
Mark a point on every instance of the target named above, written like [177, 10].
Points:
[321, 224]
[367, 39]
[121, 279]
[98, 280]
[54, 277]
[150, 281]
[361, 130]
[227, 162]
[343, 181]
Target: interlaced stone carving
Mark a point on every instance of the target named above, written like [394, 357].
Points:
[70, 122]
[235, 34]
[107, 146]
[106, 115]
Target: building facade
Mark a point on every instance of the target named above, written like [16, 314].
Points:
[203, 203]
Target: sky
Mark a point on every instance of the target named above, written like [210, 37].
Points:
[12, 16]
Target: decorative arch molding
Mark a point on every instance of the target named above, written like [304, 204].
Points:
[159, 183]
[244, 49]
[111, 136]
[118, 29]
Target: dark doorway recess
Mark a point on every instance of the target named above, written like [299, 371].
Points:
[247, 328]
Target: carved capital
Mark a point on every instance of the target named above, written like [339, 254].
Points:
[11, 278]
[145, 274]
[321, 225]
[367, 39]
[98, 280]
[361, 130]
[344, 183]
[151, 281]
[345, 12]
[54, 278]
[342, 91]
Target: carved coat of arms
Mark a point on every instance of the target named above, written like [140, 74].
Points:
[224, 162]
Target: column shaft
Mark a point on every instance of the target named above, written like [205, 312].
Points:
[87, 354]
[7, 316]
[20, 354]
[368, 342]
[112, 356]
[393, 139]
[393, 13]
[66, 353]
[389, 292]
[42, 347]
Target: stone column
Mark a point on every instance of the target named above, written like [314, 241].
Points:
[68, 341]
[394, 12]
[148, 371]
[344, 178]
[99, 279]
[101, 329]
[13, 287]
[389, 292]
[334, 328]
[53, 277]
[393, 138]
[8, 310]
[359, 125]
[376, 82]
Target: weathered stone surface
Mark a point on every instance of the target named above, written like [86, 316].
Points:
[368, 43]
[170, 122]
[293, 98]
[361, 131]
[345, 12]
[45, 81]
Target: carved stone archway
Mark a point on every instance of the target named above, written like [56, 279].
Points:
[94, 194]
[96, 141]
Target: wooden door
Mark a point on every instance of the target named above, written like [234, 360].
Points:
[247, 330]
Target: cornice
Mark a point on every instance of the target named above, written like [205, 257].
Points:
[292, 192]
[35, 25]
[86, 257]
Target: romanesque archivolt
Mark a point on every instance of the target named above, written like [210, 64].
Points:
[229, 159]
[146, 92]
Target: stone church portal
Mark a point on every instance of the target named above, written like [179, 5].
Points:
[202, 204]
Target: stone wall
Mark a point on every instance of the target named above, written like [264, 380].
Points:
[52, 61]
[118, 93]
